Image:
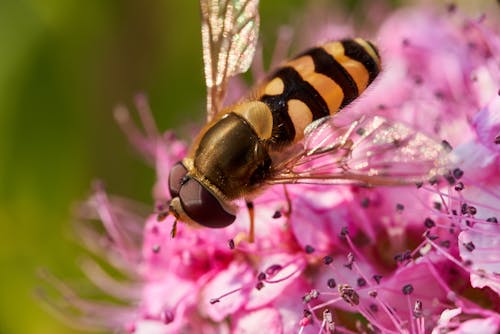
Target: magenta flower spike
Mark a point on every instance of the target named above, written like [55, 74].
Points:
[345, 259]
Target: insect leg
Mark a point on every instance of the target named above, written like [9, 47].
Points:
[288, 202]
[173, 232]
[251, 213]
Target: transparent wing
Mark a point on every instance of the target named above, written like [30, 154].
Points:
[229, 30]
[370, 151]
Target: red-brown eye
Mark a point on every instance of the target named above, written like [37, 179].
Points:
[175, 179]
[202, 206]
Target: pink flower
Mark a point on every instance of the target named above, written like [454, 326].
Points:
[345, 259]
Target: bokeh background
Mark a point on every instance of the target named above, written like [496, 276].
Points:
[64, 65]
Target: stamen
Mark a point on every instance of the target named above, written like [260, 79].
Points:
[458, 173]
[407, 289]
[173, 232]
[328, 319]
[311, 295]
[361, 282]
[327, 260]
[377, 278]
[350, 261]
[146, 116]
[400, 207]
[309, 249]
[167, 316]
[429, 223]
[306, 319]
[331, 283]
[417, 309]
[348, 294]
[459, 186]
[469, 246]
[218, 299]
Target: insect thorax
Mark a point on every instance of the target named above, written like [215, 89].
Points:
[232, 157]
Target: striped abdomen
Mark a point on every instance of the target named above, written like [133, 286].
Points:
[317, 83]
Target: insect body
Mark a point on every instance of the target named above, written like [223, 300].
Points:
[233, 155]
[285, 132]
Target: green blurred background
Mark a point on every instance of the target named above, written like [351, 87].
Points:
[64, 65]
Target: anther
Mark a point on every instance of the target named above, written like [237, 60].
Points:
[167, 316]
[398, 257]
[360, 131]
[451, 180]
[309, 249]
[433, 180]
[429, 223]
[407, 289]
[377, 278]
[277, 214]
[313, 294]
[344, 232]
[331, 283]
[350, 261]
[451, 7]
[273, 269]
[361, 282]
[445, 243]
[464, 208]
[446, 145]
[306, 318]
[458, 173]
[365, 202]
[327, 259]
[417, 309]
[469, 246]
[492, 220]
[231, 244]
[348, 294]
[459, 186]
[400, 207]
[327, 316]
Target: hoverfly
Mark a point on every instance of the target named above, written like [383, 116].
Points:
[287, 130]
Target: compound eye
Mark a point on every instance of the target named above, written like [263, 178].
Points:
[175, 179]
[202, 206]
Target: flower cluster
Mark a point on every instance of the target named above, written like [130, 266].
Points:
[341, 259]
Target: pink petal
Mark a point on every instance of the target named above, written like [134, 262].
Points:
[266, 320]
[484, 326]
[292, 268]
[487, 124]
[238, 278]
[318, 216]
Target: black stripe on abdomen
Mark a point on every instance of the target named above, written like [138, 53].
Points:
[357, 52]
[295, 87]
[326, 64]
